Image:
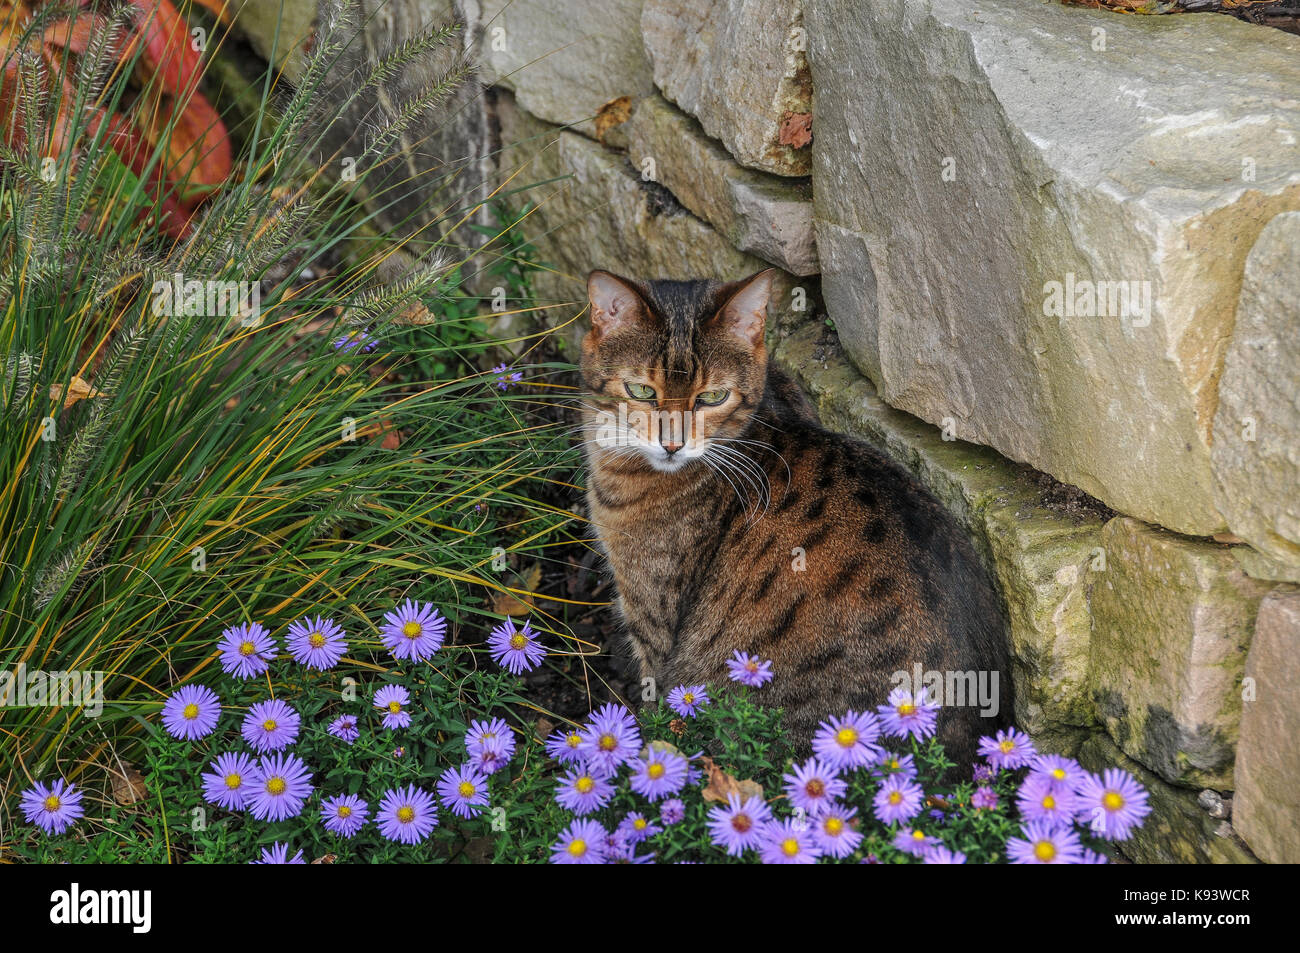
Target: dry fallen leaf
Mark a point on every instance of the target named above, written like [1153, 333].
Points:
[77, 390]
[721, 784]
[507, 603]
[796, 130]
[613, 113]
[128, 785]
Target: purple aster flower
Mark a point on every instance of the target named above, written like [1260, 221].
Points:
[611, 740]
[739, 826]
[344, 814]
[914, 841]
[490, 744]
[191, 712]
[52, 807]
[662, 773]
[672, 811]
[619, 851]
[749, 669]
[390, 700]
[891, 764]
[898, 799]
[788, 842]
[582, 842]
[582, 791]
[813, 786]
[834, 831]
[317, 643]
[246, 650]
[1044, 843]
[982, 772]
[1112, 805]
[687, 700]
[278, 787]
[1062, 772]
[407, 815]
[636, 827]
[345, 727]
[938, 854]
[270, 725]
[908, 714]
[849, 741]
[984, 798]
[1092, 857]
[563, 745]
[1041, 799]
[463, 790]
[278, 853]
[227, 782]
[413, 631]
[1010, 749]
[515, 650]
[358, 340]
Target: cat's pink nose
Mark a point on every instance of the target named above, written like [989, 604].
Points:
[671, 448]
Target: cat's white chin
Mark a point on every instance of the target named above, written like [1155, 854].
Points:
[665, 462]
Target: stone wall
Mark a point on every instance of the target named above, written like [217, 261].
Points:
[1025, 248]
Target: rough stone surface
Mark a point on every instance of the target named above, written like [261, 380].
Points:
[1172, 620]
[1040, 557]
[1266, 808]
[602, 215]
[739, 67]
[563, 60]
[1257, 428]
[1178, 830]
[295, 20]
[762, 214]
[1067, 163]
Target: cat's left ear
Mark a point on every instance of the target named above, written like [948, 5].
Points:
[745, 313]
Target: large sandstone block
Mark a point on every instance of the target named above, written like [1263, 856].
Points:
[563, 59]
[1172, 620]
[765, 215]
[979, 166]
[1041, 556]
[1266, 808]
[739, 67]
[1178, 830]
[1257, 428]
[280, 32]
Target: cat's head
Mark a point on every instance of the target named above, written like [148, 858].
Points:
[673, 367]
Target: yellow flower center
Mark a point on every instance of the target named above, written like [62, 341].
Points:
[1058, 773]
[688, 698]
[1007, 746]
[1045, 850]
[1112, 801]
[584, 784]
[394, 706]
[269, 724]
[833, 826]
[918, 835]
[655, 771]
[412, 629]
[640, 823]
[893, 764]
[406, 814]
[52, 803]
[846, 737]
[276, 786]
[1049, 802]
[247, 648]
[895, 797]
[751, 667]
[790, 847]
[344, 811]
[573, 740]
[517, 641]
[191, 711]
[741, 823]
[905, 709]
[608, 742]
[316, 640]
[577, 847]
[815, 788]
[466, 789]
[233, 781]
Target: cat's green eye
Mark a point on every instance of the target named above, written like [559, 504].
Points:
[711, 398]
[640, 391]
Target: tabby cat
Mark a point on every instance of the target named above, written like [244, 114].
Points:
[732, 520]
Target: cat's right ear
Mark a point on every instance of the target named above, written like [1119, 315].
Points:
[614, 302]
